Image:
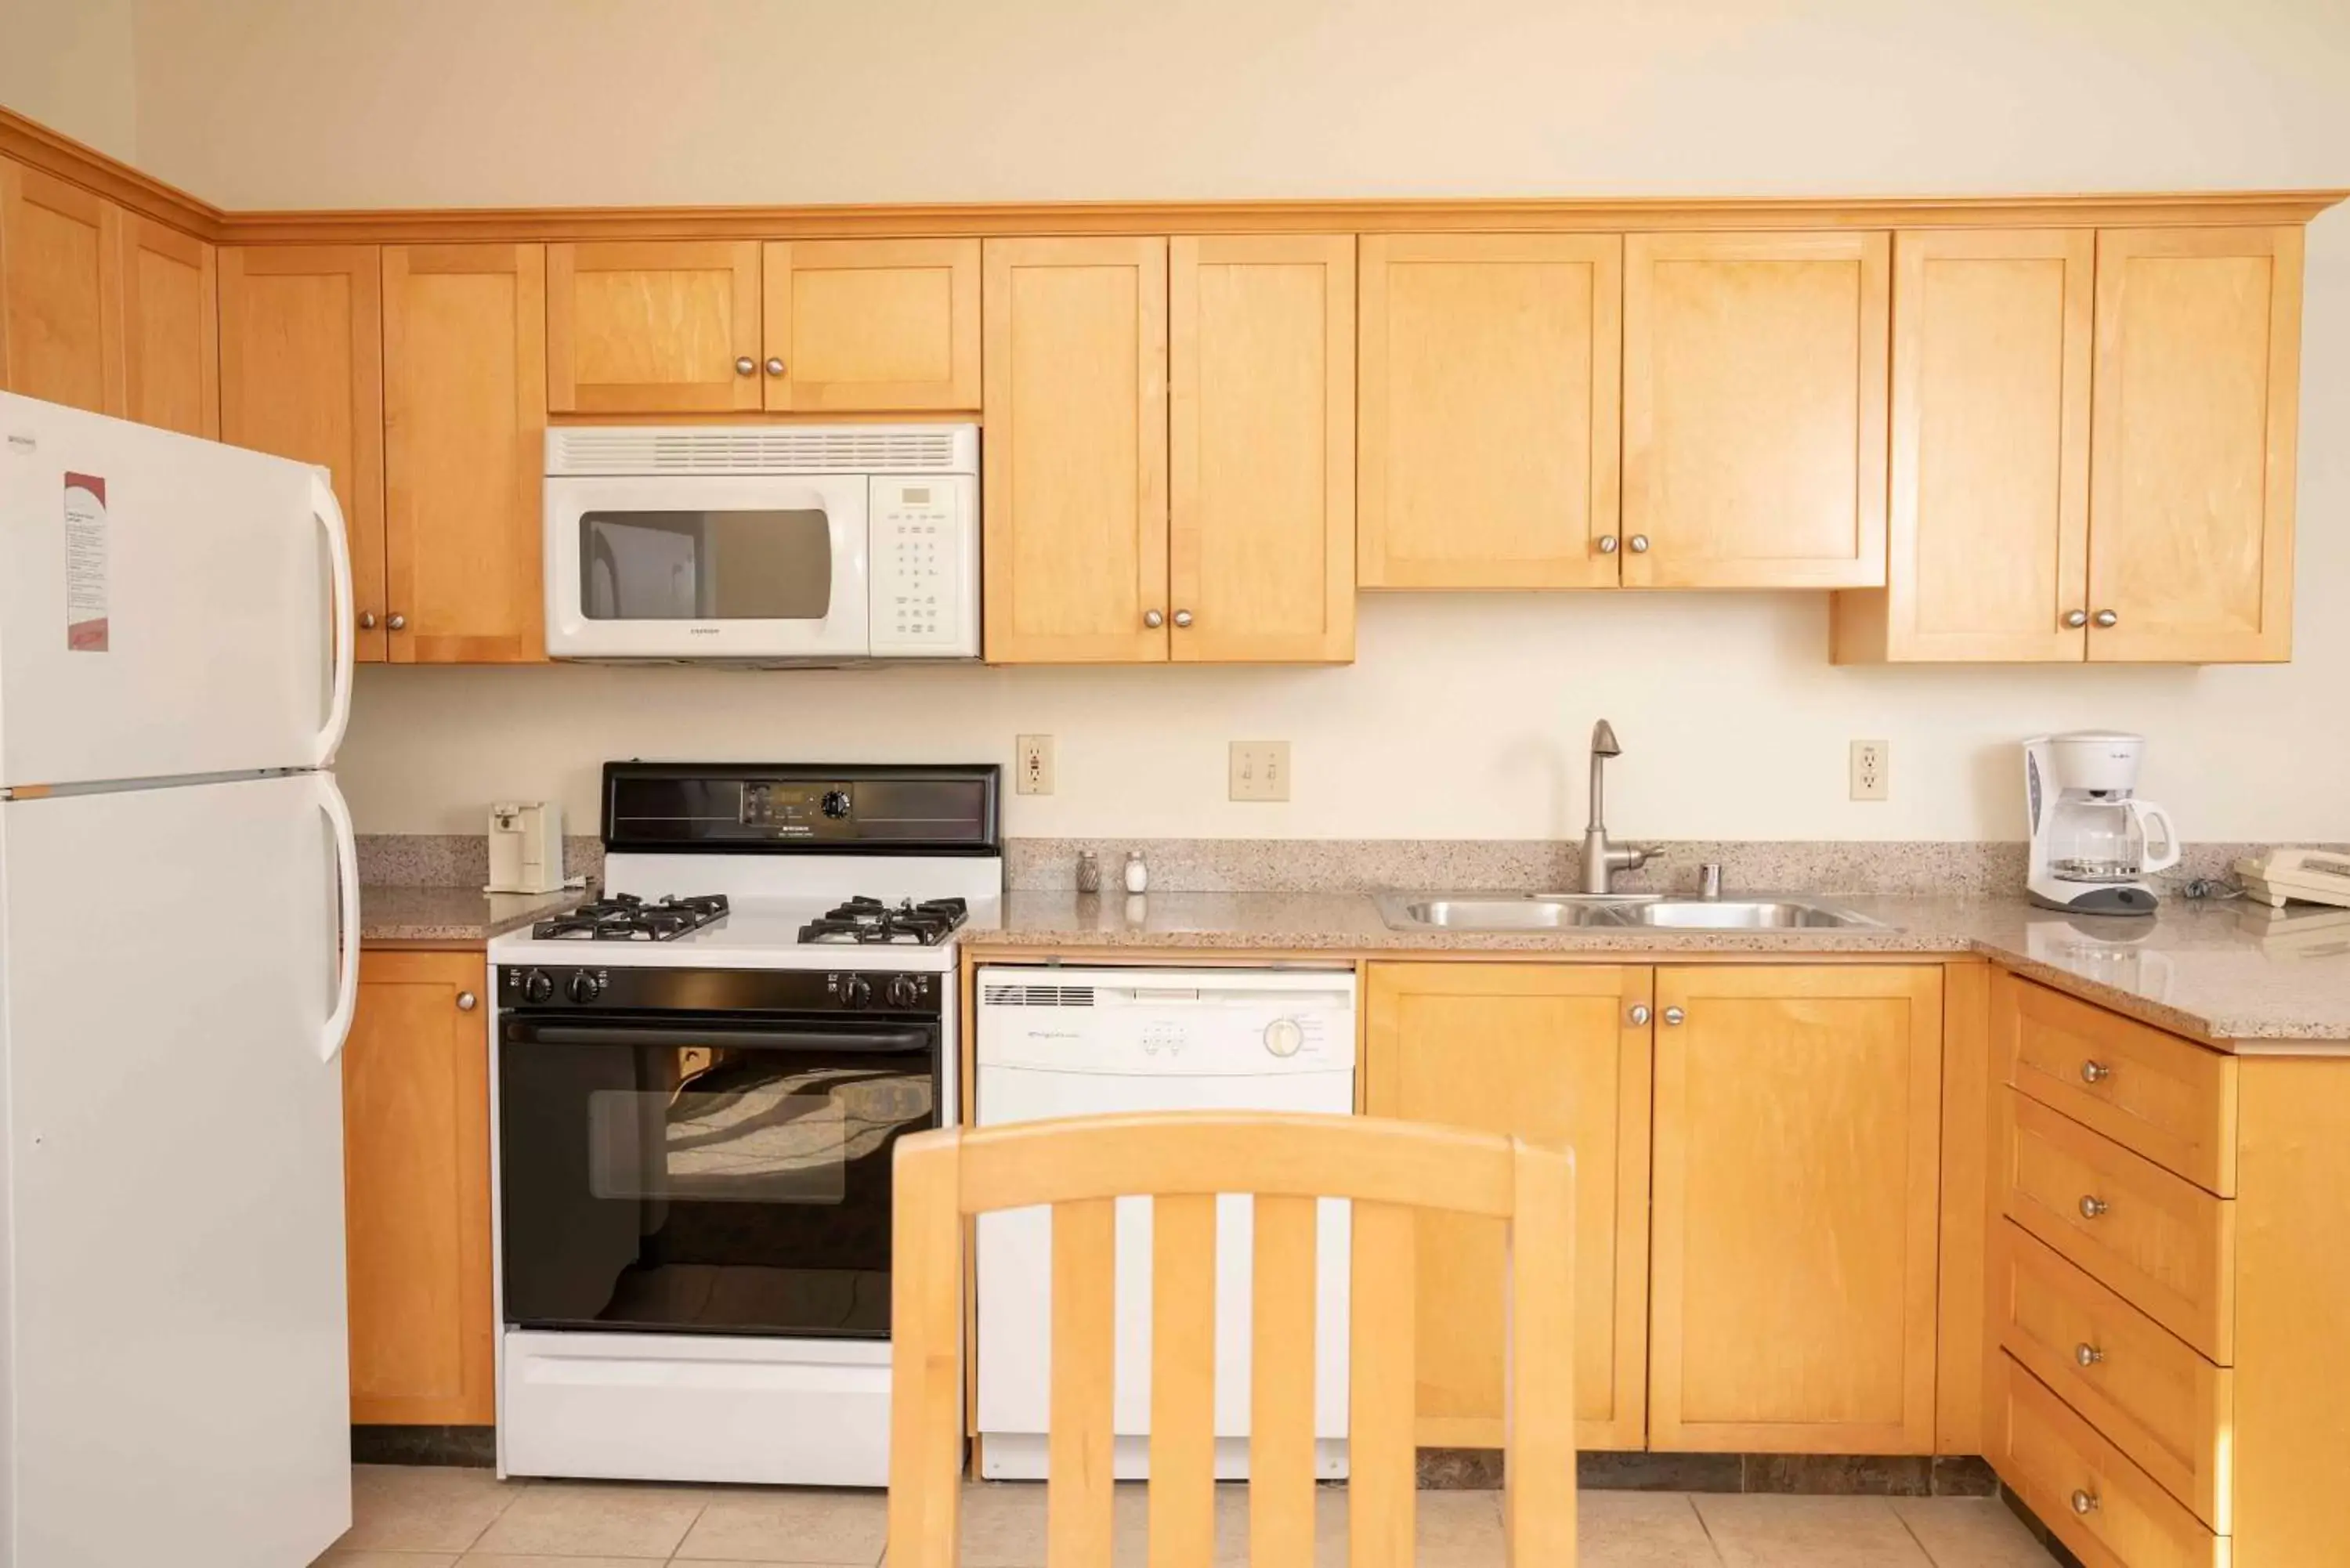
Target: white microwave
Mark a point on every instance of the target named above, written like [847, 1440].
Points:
[763, 544]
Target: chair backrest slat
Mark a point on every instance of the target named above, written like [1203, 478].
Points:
[926, 1357]
[1281, 1398]
[1183, 1381]
[1078, 1496]
[1538, 1436]
[1381, 1461]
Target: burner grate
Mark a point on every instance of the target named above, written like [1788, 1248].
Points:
[870, 920]
[625, 918]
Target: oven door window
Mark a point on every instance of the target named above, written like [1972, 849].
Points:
[747, 565]
[722, 1179]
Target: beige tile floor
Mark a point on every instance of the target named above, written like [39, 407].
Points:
[427, 1518]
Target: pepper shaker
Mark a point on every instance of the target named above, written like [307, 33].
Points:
[1088, 871]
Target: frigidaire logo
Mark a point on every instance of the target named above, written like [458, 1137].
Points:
[702, 630]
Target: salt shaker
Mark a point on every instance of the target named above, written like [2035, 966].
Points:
[1088, 871]
[1138, 875]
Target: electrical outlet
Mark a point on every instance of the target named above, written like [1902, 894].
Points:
[1870, 760]
[1260, 770]
[1032, 765]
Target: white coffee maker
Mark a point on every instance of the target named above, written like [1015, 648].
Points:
[2091, 849]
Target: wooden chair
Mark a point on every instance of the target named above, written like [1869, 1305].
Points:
[1181, 1161]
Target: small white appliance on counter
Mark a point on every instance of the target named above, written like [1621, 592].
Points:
[1055, 1041]
[179, 959]
[763, 544]
[2091, 850]
[525, 848]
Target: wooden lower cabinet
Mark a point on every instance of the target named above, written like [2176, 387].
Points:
[1550, 1052]
[416, 1177]
[1796, 1213]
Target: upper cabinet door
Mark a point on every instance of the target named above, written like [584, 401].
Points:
[1754, 408]
[301, 347]
[1074, 514]
[1262, 477]
[659, 326]
[871, 325]
[1988, 554]
[1490, 397]
[60, 292]
[2198, 403]
[465, 366]
[171, 328]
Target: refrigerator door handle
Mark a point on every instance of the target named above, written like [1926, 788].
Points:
[347, 877]
[329, 513]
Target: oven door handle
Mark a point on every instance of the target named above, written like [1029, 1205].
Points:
[895, 1041]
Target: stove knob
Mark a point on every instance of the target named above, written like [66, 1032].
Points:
[904, 992]
[836, 803]
[856, 990]
[583, 987]
[537, 986]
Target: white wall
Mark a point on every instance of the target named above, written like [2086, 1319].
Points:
[1465, 715]
[70, 64]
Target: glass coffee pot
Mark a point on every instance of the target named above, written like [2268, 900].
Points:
[2105, 838]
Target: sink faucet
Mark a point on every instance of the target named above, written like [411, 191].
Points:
[1600, 861]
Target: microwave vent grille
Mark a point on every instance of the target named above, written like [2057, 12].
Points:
[1038, 995]
[774, 449]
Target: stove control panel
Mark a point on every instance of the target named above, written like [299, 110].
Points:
[628, 988]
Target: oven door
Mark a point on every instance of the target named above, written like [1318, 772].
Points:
[737, 566]
[704, 1173]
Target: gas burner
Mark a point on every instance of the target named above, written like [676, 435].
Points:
[863, 920]
[625, 918]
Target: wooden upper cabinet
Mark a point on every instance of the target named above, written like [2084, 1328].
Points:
[871, 325]
[2198, 404]
[1989, 553]
[171, 328]
[464, 364]
[1548, 1052]
[1262, 423]
[301, 346]
[1490, 398]
[60, 292]
[654, 326]
[416, 1191]
[1074, 509]
[1754, 409]
[1798, 1141]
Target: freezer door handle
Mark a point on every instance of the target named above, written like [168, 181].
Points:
[346, 880]
[328, 513]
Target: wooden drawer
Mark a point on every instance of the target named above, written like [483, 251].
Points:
[2109, 1512]
[2170, 1100]
[2164, 1244]
[2144, 1389]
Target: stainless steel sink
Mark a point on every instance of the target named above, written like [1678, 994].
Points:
[1566, 911]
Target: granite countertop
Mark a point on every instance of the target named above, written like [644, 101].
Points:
[2223, 973]
[450, 917]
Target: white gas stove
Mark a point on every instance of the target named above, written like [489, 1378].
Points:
[697, 1082]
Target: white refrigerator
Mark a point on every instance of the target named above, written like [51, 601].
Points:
[179, 950]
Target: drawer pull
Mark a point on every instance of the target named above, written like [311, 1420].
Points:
[2091, 1206]
[2095, 1072]
[2084, 1502]
[2088, 1354]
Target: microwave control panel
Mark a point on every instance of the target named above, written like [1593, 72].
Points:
[924, 565]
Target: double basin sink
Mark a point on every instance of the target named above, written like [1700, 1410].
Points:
[1571, 911]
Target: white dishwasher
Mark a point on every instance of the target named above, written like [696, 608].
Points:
[1055, 1041]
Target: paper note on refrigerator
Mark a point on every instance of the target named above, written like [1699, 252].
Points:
[85, 563]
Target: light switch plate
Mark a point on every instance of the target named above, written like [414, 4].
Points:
[1260, 770]
[1870, 763]
[1032, 765]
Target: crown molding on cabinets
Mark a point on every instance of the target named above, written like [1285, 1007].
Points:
[31, 144]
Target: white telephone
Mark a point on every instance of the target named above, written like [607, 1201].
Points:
[2311, 875]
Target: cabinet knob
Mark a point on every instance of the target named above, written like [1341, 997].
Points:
[1640, 543]
[1607, 544]
[775, 366]
[2088, 1354]
[367, 620]
[1182, 617]
[1674, 1015]
[398, 622]
[2084, 1502]
[1153, 619]
[1639, 1014]
[466, 1001]
[746, 366]
[2106, 618]
[2092, 1207]
[2076, 617]
[2095, 1072]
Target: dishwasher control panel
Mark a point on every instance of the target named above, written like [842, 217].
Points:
[1160, 1022]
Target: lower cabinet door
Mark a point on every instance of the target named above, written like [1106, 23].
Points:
[1797, 1181]
[416, 1182]
[1550, 1052]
